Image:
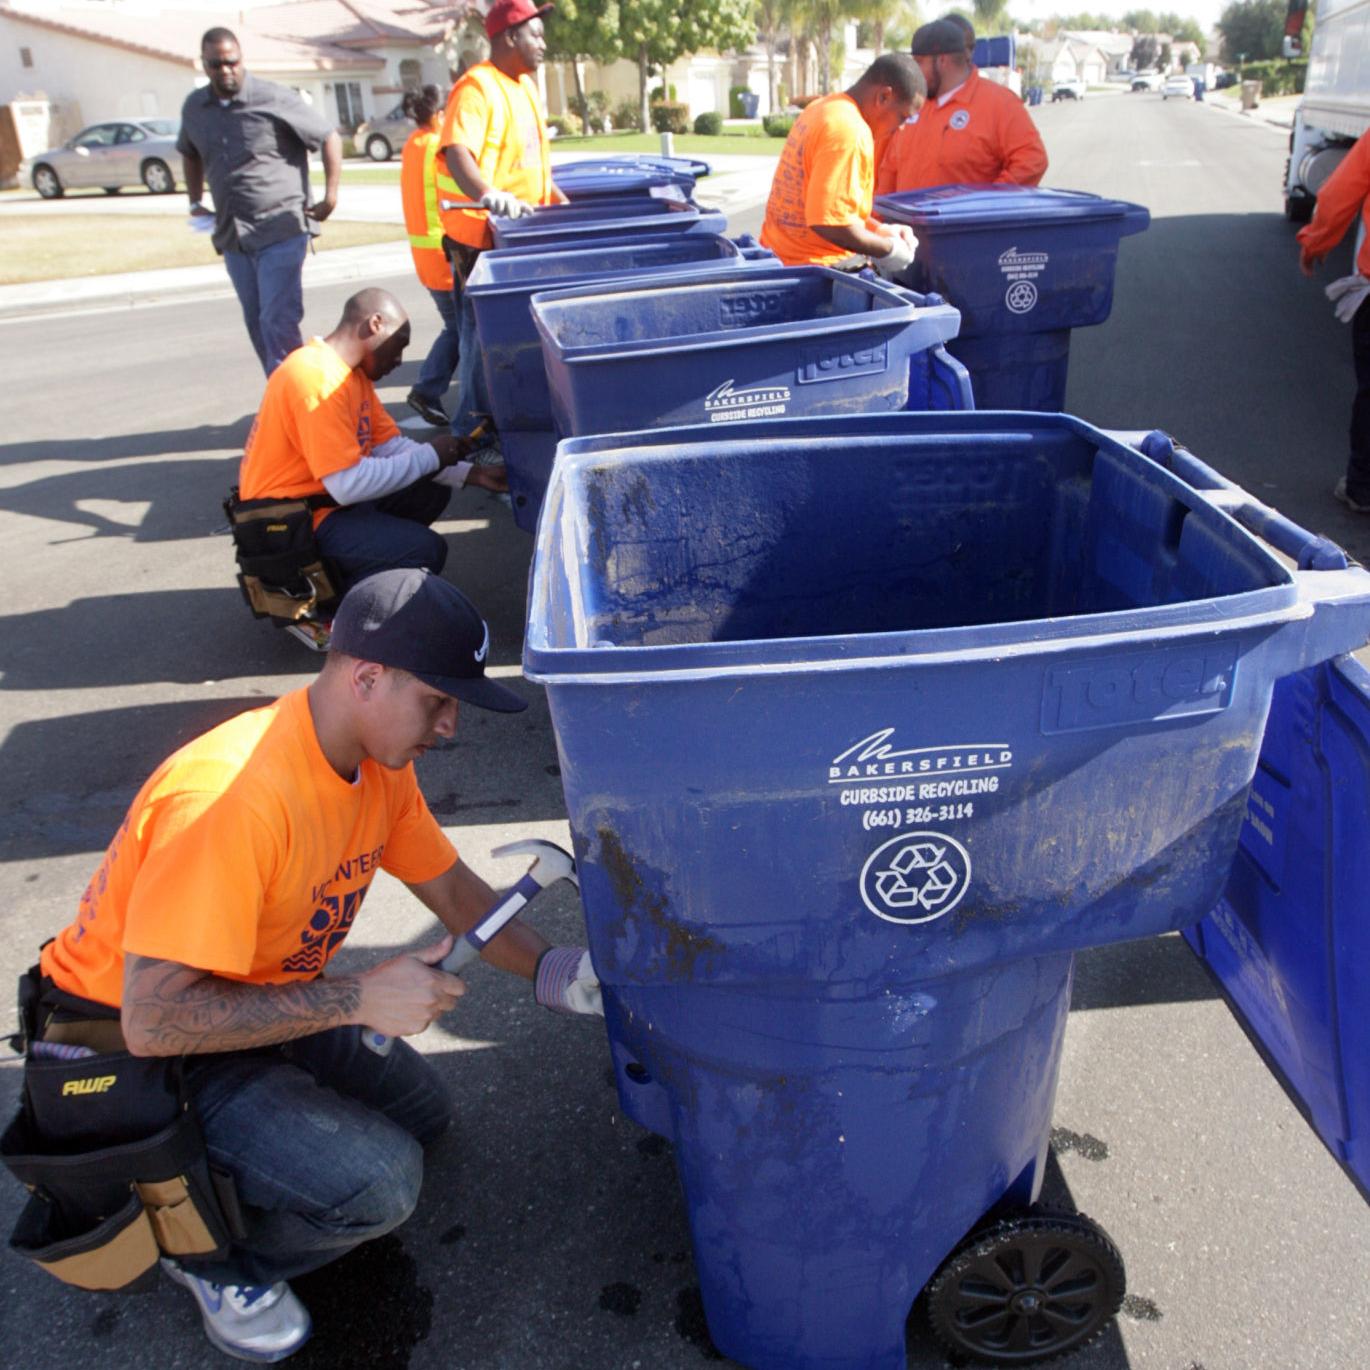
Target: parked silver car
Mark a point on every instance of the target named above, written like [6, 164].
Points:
[384, 136]
[123, 152]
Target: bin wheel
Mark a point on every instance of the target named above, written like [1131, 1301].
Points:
[1027, 1289]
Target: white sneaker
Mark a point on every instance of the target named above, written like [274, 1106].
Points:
[261, 1322]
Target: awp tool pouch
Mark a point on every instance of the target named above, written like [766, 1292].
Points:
[280, 571]
[111, 1153]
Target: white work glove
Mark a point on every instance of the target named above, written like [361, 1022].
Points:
[1347, 295]
[503, 204]
[900, 256]
[565, 982]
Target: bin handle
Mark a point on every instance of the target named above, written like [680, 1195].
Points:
[919, 299]
[1311, 551]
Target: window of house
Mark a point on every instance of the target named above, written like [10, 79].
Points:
[349, 95]
[25, 57]
[411, 74]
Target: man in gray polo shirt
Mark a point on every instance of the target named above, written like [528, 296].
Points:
[253, 138]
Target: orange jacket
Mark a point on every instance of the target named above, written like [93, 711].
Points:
[982, 134]
[1346, 192]
[499, 121]
[419, 191]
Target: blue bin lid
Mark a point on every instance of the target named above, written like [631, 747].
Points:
[1009, 206]
[628, 175]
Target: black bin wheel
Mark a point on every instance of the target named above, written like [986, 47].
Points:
[1027, 1289]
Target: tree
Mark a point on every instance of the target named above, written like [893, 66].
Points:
[990, 17]
[769, 18]
[653, 33]
[1254, 28]
[886, 17]
[816, 19]
[580, 29]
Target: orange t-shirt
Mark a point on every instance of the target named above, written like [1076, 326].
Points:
[826, 175]
[318, 415]
[246, 855]
[499, 121]
[1344, 194]
[981, 135]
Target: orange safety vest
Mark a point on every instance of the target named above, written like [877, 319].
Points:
[504, 159]
[419, 191]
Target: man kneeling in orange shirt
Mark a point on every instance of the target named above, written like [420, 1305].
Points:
[205, 935]
[322, 434]
[819, 211]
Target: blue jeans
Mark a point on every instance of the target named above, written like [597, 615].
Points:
[386, 533]
[473, 398]
[324, 1140]
[269, 290]
[441, 362]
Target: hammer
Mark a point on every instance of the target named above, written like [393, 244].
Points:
[550, 864]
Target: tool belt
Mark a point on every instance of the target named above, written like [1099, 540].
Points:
[280, 572]
[110, 1150]
[461, 256]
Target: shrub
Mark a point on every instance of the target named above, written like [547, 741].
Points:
[592, 110]
[669, 116]
[660, 95]
[628, 114]
[566, 125]
[735, 94]
[1276, 77]
[778, 125]
[710, 123]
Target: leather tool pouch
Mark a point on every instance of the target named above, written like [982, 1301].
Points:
[280, 572]
[111, 1153]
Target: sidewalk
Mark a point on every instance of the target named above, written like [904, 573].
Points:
[140, 289]
[738, 183]
[1277, 110]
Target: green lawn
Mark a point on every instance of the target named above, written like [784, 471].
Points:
[753, 142]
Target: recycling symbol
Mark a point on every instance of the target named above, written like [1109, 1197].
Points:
[915, 877]
[1021, 296]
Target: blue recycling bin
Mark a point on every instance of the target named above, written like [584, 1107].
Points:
[999, 51]
[596, 178]
[1024, 265]
[919, 706]
[730, 346]
[611, 217]
[500, 287]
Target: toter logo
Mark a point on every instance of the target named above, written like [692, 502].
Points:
[915, 877]
[92, 1084]
[960, 119]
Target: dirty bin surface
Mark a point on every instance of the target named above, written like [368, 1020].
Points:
[853, 766]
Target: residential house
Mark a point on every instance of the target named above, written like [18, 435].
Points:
[1116, 48]
[87, 60]
[1069, 59]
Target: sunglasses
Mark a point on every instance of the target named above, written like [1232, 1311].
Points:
[218, 63]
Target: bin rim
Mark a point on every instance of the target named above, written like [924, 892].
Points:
[1291, 598]
[904, 307]
[477, 286]
[965, 207]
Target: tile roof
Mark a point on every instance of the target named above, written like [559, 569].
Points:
[296, 35]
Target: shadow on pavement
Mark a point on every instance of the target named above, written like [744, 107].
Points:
[1156, 970]
[212, 437]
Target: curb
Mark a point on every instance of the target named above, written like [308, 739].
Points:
[147, 289]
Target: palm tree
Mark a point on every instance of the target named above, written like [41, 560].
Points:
[882, 15]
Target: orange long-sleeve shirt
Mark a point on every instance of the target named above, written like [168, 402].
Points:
[1347, 191]
[982, 134]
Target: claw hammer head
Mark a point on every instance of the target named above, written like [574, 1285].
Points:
[550, 864]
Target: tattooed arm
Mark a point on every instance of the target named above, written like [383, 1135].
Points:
[170, 1009]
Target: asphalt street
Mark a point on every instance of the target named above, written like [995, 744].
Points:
[551, 1234]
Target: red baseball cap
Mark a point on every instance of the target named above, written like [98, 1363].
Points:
[504, 14]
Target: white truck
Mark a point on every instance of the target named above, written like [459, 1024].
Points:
[1335, 109]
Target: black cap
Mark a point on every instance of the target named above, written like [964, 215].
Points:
[420, 623]
[940, 36]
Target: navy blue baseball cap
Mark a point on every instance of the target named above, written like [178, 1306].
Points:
[418, 622]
